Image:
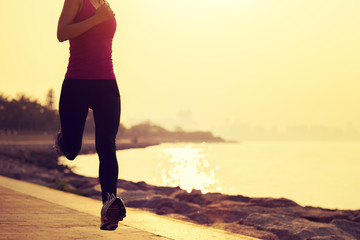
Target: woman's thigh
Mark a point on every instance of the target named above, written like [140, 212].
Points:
[73, 111]
[107, 117]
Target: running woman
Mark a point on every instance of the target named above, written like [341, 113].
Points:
[90, 82]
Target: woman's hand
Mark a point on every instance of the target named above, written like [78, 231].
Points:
[104, 13]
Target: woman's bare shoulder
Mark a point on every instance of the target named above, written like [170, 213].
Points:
[73, 6]
[74, 2]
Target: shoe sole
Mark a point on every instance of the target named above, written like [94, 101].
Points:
[56, 147]
[115, 213]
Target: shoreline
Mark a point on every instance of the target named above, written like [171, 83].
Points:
[264, 218]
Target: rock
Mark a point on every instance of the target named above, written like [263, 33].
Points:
[355, 216]
[200, 218]
[227, 214]
[238, 198]
[136, 198]
[97, 187]
[352, 228]
[236, 216]
[144, 186]
[161, 205]
[93, 193]
[322, 215]
[191, 198]
[246, 230]
[272, 202]
[217, 214]
[127, 185]
[179, 192]
[165, 205]
[157, 203]
[325, 238]
[168, 191]
[287, 227]
[214, 197]
[195, 192]
[198, 198]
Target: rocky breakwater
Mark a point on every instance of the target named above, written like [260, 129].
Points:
[264, 218]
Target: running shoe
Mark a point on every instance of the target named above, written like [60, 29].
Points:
[112, 212]
[57, 147]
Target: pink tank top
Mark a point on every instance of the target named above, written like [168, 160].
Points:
[91, 52]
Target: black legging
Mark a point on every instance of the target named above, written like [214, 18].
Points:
[102, 96]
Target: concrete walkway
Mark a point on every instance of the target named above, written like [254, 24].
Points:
[30, 211]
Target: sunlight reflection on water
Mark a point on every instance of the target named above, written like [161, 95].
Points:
[294, 170]
[186, 167]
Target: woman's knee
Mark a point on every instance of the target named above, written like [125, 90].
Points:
[70, 149]
[105, 145]
[71, 152]
[71, 156]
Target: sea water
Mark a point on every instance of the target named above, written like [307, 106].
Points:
[324, 174]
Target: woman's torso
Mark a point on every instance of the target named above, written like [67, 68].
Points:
[91, 52]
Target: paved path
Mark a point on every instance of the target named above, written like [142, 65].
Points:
[29, 211]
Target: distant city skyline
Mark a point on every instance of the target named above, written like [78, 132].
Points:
[239, 131]
[303, 132]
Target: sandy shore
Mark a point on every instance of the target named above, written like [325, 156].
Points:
[264, 218]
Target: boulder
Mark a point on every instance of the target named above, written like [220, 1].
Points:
[272, 202]
[227, 213]
[356, 219]
[178, 193]
[161, 205]
[287, 227]
[322, 215]
[353, 228]
[136, 198]
[165, 205]
[168, 191]
[143, 186]
[325, 238]
[200, 218]
[127, 185]
[355, 215]
[214, 197]
[93, 193]
[246, 230]
[191, 198]
[238, 198]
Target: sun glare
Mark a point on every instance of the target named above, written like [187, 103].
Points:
[188, 168]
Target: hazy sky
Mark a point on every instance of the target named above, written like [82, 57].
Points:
[221, 62]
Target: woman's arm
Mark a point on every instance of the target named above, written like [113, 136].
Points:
[68, 30]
